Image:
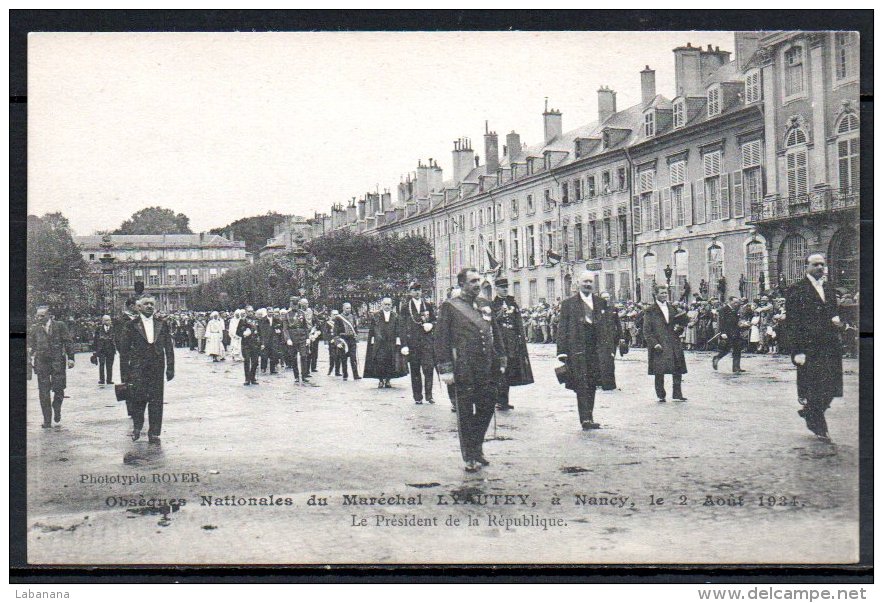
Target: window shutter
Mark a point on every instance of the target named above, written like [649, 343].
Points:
[699, 204]
[541, 257]
[725, 196]
[614, 236]
[688, 204]
[636, 215]
[571, 241]
[738, 195]
[654, 209]
[666, 208]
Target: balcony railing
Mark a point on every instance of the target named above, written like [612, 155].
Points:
[816, 202]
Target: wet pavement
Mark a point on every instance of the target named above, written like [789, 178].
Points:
[731, 475]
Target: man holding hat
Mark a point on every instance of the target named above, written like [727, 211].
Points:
[508, 315]
[418, 315]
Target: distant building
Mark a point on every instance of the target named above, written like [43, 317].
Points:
[168, 265]
[293, 232]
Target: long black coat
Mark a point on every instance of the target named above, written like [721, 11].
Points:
[103, 341]
[670, 359]
[729, 323]
[383, 359]
[51, 351]
[468, 343]
[508, 316]
[811, 332]
[148, 361]
[586, 371]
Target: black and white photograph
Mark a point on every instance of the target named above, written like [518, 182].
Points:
[443, 297]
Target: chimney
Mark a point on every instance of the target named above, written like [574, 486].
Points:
[463, 156]
[361, 209]
[477, 160]
[711, 60]
[386, 201]
[491, 151]
[435, 177]
[513, 145]
[551, 122]
[606, 103]
[688, 75]
[648, 85]
[422, 180]
[747, 43]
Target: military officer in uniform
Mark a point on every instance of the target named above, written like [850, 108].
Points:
[52, 351]
[470, 356]
[296, 331]
[248, 331]
[508, 316]
[418, 315]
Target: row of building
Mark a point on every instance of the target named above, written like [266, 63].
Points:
[724, 187]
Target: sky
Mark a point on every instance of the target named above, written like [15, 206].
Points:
[221, 126]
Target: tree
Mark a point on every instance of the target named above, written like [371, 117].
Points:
[57, 274]
[254, 230]
[155, 220]
[341, 266]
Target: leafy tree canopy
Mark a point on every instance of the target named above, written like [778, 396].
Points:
[155, 221]
[57, 274]
[254, 230]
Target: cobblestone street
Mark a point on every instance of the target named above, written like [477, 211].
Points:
[634, 491]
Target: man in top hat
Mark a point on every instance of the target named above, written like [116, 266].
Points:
[665, 352]
[470, 355]
[418, 317]
[151, 356]
[586, 345]
[52, 351]
[518, 369]
[269, 328]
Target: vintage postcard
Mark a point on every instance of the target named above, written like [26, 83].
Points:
[443, 298]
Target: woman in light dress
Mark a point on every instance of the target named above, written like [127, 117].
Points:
[690, 332]
[214, 336]
[235, 340]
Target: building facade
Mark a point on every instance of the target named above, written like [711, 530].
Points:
[167, 265]
[808, 85]
[720, 190]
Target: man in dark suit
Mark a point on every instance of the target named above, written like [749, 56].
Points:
[269, 353]
[470, 355]
[51, 348]
[418, 317]
[665, 353]
[247, 330]
[518, 369]
[587, 345]
[346, 327]
[105, 350]
[296, 332]
[730, 336]
[151, 356]
[814, 325]
[383, 356]
[128, 314]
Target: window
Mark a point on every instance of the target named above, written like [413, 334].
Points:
[513, 209]
[796, 167]
[153, 277]
[547, 200]
[578, 189]
[593, 191]
[605, 182]
[594, 239]
[649, 123]
[170, 276]
[848, 163]
[753, 90]
[677, 202]
[550, 237]
[182, 276]
[679, 114]
[471, 219]
[481, 217]
[92, 257]
[212, 274]
[714, 101]
[565, 233]
[620, 178]
[578, 241]
[608, 238]
[848, 123]
[139, 274]
[530, 207]
[646, 189]
[532, 292]
[711, 164]
[514, 247]
[622, 231]
[844, 62]
[531, 247]
[793, 71]
[625, 290]
[715, 265]
[751, 174]
[194, 276]
[499, 209]
[565, 193]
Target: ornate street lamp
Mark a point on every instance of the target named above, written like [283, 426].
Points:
[107, 285]
[668, 272]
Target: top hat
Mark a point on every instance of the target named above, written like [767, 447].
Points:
[415, 286]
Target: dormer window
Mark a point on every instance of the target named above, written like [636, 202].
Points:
[714, 101]
[650, 123]
[679, 114]
[753, 90]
